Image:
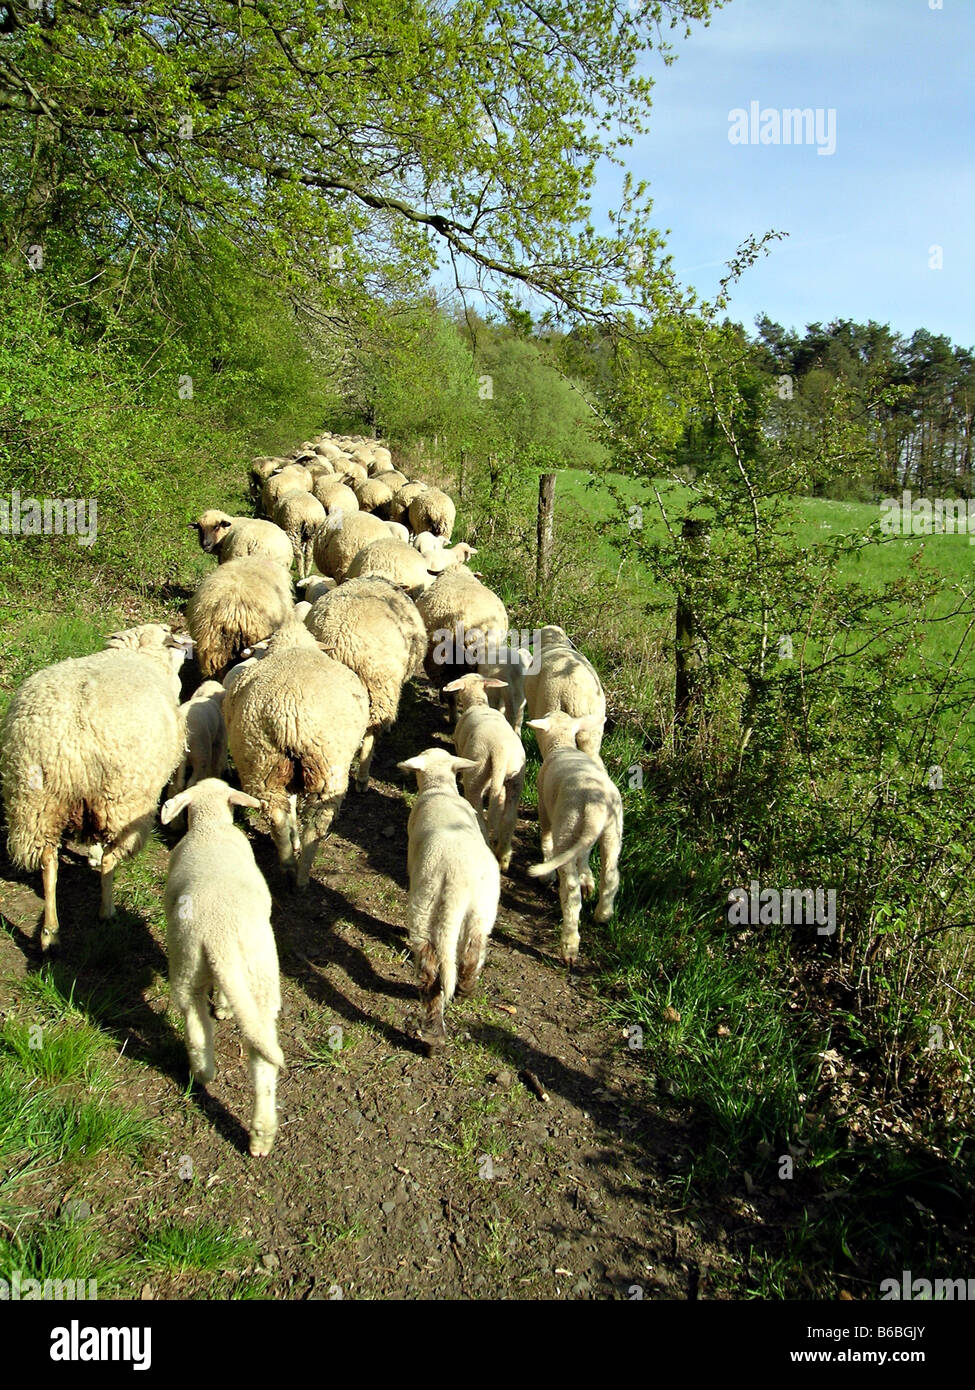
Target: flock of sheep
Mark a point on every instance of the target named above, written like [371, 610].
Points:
[297, 693]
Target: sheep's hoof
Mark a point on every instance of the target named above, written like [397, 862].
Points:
[588, 886]
[433, 1042]
[504, 862]
[203, 1076]
[106, 914]
[602, 914]
[50, 942]
[260, 1145]
[361, 786]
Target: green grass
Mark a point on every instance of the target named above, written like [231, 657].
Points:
[178, 1248]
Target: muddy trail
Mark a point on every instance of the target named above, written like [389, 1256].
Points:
[393, 1175]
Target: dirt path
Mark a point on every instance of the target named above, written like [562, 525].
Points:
[393, 1175]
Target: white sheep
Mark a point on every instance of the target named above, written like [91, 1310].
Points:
[334, 495]
[295, 475]
[396, 480]
[511, 668]
[426, 543]
[578, 804]
[398, 531]
[295, 721]
[234, 537]
[485, 737]
[372, 494]
[339, 541]
[235, 606]
[397, 508]
[455, 884]
[313, 586]
[566, 681]
[442, 559]
[392, 560]
[300, 515]
[433, 510]
[218, 936]
[205, 754]
[88, 746]
[465, 622]
[374, 629]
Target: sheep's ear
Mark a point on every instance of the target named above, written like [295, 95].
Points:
[236, 798]
[170, 809]
[462, 764]
[543, 724]
[415, 764]
[456, 685]
[492, 684]
[193, 526]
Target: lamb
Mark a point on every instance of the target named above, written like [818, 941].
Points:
[433, 511]
[485, 737]
[442, 559]
[395, 561]
[235, 606]
[577, 805]
[205, 754]
[295, 721]
[300, 515]
[455, 884]
[339, 541]
[465, 622]
[426, 543]
[218, 935]
[398, 507]
[88, 745]
[567, 682]
[511, 667]
[235, 536]
[372, 494]
[373, 628]
[334, 495]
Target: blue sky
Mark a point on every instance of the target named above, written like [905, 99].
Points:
[861, 221]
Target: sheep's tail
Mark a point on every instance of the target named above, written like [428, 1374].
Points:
[259, 1031]
[581, 846]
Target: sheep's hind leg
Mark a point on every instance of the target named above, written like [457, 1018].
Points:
[432, 1030]
[609, 875]
[365, 761]
[280, 819]
[473, 953]
[571, 899]
[124, 846]
[509, 819]
[318, 817]
[264, 1076]
[199, 1035]
[50, 929]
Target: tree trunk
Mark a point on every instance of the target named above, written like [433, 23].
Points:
[546, 526]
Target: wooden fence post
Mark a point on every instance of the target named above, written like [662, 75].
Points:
[546, 527]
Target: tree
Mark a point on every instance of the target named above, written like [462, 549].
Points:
[338, 144]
